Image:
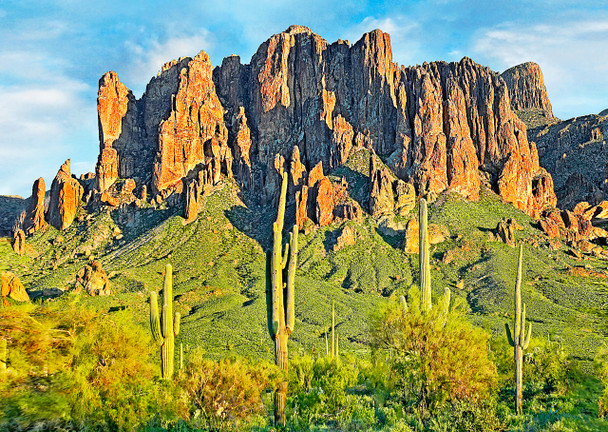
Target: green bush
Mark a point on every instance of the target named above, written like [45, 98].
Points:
[224, 394]
[74, 367]
[433, 359]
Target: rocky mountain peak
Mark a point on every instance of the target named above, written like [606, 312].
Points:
[527, 89]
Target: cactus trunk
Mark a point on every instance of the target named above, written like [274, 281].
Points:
[281, 265]
[424, 257]
[333, 330]
[519, 339]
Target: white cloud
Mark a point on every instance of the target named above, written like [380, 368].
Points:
[571, 54]
[150, 56]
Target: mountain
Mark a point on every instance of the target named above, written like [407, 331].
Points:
[189, 173]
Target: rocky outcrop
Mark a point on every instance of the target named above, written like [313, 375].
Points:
[347, 237]
[34, 217]
[301, 99]
[505, 231]
[441, 125]
[93, 279]
[574, 152]
[113, 101]
[66, 193]
[19, 241]
[194, 132]
[11, 286]
[387, 195]
[527, 91]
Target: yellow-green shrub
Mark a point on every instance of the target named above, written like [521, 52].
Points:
[433, 360]
[224, 394]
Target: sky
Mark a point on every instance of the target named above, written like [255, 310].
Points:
[52, 54]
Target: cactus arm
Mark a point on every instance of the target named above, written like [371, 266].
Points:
[176, 323]
[269, 292]
[167, 311]
[277, 279]
[285, 258]
[509, 337]
[282, 201]
[291, 275]
[528, 335]
[333, 327]
[447, 297]
[155, 319]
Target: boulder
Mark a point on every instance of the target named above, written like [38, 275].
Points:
[93, 279]
[11, 286]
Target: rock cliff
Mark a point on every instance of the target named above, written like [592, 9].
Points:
[528, 94]
[440, 125]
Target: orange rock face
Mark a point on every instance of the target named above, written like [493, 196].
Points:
[440, 125]
[34, 217]
[19, 241]
[194, 132]
[324, 210]
[66, 193]
[11, 286]
[113, 100]
[527, 88]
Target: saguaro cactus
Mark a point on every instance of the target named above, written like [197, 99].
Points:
[424, 255]
[519, 339]
[280, 296]
[165, 334]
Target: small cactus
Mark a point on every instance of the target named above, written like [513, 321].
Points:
[165, 334]
[403, 304]
[3, 355]
[519, 339]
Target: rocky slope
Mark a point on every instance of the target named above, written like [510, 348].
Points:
[575, 153]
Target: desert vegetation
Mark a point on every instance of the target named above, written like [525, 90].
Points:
[422, 364]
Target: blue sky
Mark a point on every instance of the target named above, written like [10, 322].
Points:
[52, 55]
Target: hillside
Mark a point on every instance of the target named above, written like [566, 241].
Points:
[219, 270]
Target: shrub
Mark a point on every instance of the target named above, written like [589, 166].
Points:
[74, 367]
[321, 391]
[224, 394]
[433, 359]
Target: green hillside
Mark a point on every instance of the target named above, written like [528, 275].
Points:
[219, 270]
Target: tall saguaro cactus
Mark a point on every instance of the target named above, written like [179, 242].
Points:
[281, 265]
[424, 257]
[166, 327]
[519, 339]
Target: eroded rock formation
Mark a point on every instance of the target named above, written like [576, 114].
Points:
[527, 89]
[442, 126]
[93, 279]
[66, 193]
[575, 153]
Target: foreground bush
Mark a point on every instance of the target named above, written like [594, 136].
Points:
[433, 359]
[74, 367]
[224, 394]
